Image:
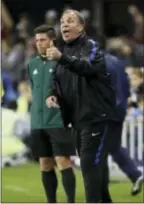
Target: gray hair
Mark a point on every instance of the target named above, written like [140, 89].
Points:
[78, 14]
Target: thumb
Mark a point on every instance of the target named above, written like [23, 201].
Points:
[51, 43]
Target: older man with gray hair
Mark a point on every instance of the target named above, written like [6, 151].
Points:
[83, 90]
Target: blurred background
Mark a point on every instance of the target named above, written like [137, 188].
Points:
[120, 21]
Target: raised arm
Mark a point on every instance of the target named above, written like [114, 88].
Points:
[91, 64]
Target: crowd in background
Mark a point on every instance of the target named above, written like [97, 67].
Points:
[18, 46]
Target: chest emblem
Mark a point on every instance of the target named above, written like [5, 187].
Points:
[51, 70]
[35, 72]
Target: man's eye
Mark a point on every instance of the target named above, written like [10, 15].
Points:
[71, 21]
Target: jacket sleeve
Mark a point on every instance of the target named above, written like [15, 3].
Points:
[89, 65]
[54, 86]
[54, 82]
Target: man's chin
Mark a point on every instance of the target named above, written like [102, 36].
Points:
[67, 40]
[42, 52]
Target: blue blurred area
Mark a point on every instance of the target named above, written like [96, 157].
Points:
[10, 93]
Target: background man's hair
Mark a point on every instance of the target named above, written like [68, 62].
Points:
[78, 14]
[47, 30]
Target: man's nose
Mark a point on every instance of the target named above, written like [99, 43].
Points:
[65, 25]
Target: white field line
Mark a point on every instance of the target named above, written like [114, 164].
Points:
[20, 189]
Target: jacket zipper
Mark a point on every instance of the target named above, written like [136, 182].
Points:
[43, 75]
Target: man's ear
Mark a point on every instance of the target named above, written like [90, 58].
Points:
[81, 29]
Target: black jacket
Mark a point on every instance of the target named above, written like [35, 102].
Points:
[82, 84]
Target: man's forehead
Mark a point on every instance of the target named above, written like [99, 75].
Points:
[41, 35]
[69, 14]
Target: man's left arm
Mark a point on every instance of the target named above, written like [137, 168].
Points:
[92, 64]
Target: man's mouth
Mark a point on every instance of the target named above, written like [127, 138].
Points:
[66, 32]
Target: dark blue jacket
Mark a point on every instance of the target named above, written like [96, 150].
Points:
[120, 83]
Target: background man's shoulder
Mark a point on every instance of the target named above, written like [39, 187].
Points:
[112, 58]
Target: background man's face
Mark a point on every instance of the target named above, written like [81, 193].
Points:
[70, 26]
[135, 81]
[42, 42]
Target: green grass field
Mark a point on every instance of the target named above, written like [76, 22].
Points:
[23, 184]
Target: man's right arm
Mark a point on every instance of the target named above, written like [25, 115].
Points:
[90, 65]
[54, 86]
[52, 97]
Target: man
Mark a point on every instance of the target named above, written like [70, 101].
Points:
[119, 154]
[83, 83]
[50, 137]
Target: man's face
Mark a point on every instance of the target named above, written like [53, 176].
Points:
[70, 26]
[42, 42]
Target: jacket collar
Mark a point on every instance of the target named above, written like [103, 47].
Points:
[79, 40]
[41, 57]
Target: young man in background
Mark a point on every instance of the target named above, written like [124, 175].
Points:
[51, 139]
